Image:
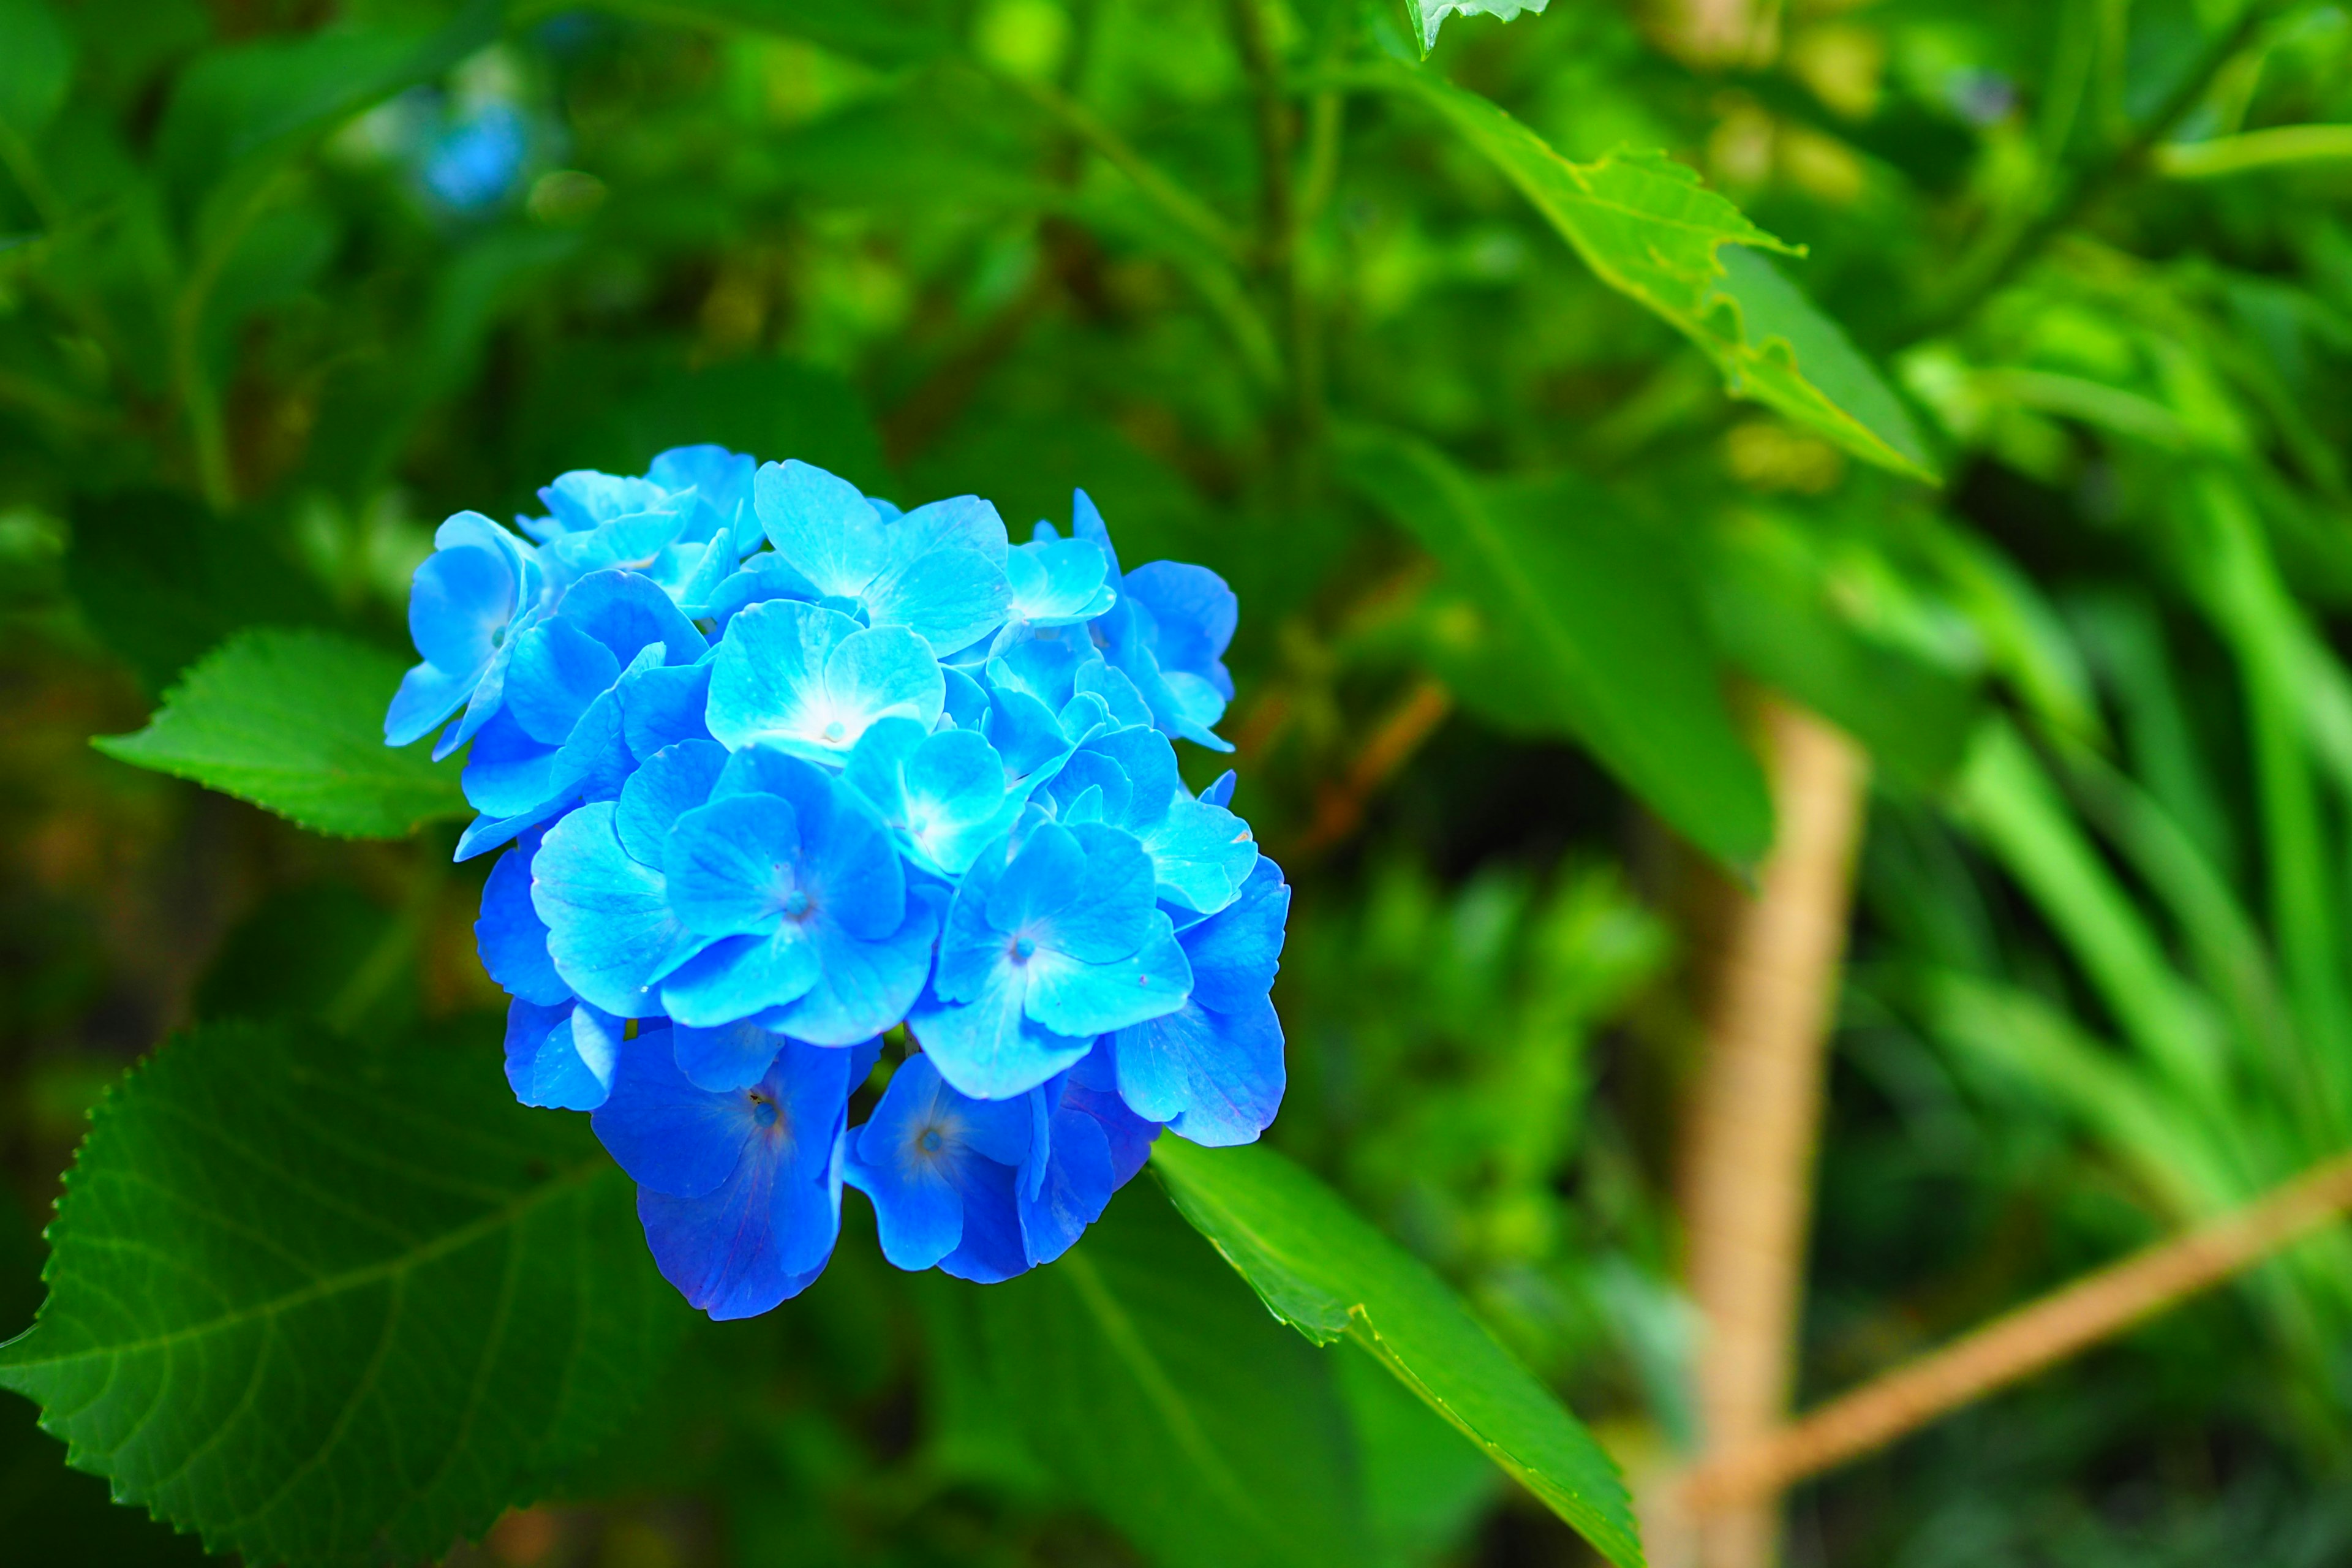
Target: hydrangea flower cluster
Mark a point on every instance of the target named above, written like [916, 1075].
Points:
[783, 768]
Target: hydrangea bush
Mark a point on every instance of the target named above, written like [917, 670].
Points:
[777, 770]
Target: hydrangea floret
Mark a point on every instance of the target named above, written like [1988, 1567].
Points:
[787, 780]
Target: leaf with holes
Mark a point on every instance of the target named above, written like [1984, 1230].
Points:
[1326, 1272]
[325, 1306]
[1649, 230]
[293, 721]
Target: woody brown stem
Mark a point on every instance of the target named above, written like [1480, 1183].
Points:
[2022, 1342]
[1755, 1112]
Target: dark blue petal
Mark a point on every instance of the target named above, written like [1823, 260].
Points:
[666, 1133]
[733, 1056]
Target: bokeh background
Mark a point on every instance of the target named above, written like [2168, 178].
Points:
[284, 282]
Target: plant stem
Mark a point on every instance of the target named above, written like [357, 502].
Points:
[2022, 1343]
[1748, 1153]
[1189, 210]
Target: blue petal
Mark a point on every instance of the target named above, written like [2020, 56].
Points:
[739, 976]
[768, 679]
[511, 937]
[1193, 615]
[760, 579]
[1074, 998]
[820, 526]
[528, 1025]
[991, 1250]
[1235, 952]
[576, 1064]
[1107, 913]
[558, 670]
[584, 498]
[733, 1056]
[1058, 582]
[662, 706]
[909, 1157]
[665, 1132]
[949, 598]
[673, 782]
[863, 987]
[628, 612]
[1093, 1087]
[1045, 874]
[988, 1047]
[1215, 1078]
[1076, 1182]
[610, 929]
[508, 773]
[426, 696]
[1200, 854]
[734, 866]
[1086, 523]
[959, 522]
[1220, 792]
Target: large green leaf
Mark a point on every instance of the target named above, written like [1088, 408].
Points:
[1326, 1272]
[1142, 1373]
[1648, 229]
[293, 721]
[1585, 625]
[323, 1305]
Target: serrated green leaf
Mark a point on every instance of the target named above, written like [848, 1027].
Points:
[328, 1306]
[1648, 229]
[1322, 1269]
[36, 62]
[1428, 15]
[1586, 627]
[293, 721]
[1144, 1375]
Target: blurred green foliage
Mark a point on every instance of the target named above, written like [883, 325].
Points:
[1293, 303]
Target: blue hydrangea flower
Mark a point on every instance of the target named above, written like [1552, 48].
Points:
[475, 163]
[1053, 938]
[479, 586]
[1211, 1069]
[740, 1191]
[784, 767]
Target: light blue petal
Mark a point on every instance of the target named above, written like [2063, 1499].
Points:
[768, 679]
[508, 774]
[761, 578]
[1200, 854]
[1221, 792]
[583, 499]
[987, 1047]
[1107, 913]
[1074, 1187]
[628, 612]
[610, 929]
[426, 696]
[1235, 952]
[959, 522]
[528, 1025]
[457, 600]
[1059, 582]
[737, 977]
[1073, 998]
[558, 670]
[1191, 616]
[1086, 523]
[1215, 1077]
[1043, 875]
[863, 987]
[949, 598]
[673, 781]
[820, 526]
[662, 706]
[733, 865]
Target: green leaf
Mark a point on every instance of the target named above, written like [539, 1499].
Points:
[328, 1306]
[1648, 229]
[1144, 1376]
[1326, 1272]
[36, 64]
[1428, 15]
[1585, 625]
[293, 721]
